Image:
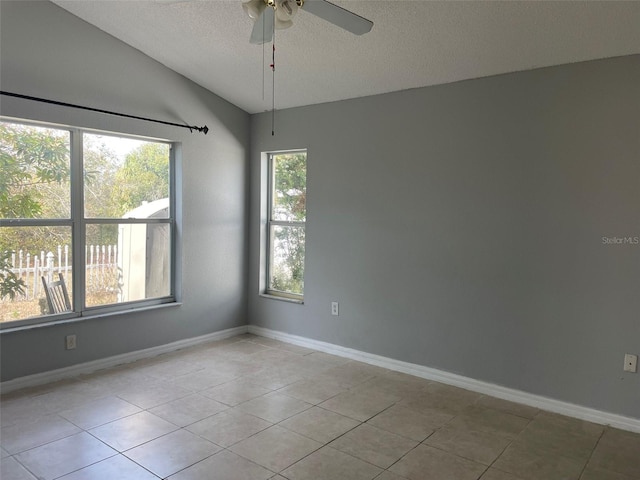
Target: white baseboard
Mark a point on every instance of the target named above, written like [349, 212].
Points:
[88, 367]
[518, 396]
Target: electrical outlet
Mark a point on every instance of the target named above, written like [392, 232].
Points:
[630, 363]
[335, 309]
[70, 342]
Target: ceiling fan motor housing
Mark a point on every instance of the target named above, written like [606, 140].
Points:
[282, 12]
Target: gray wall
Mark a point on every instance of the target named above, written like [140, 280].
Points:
[49, 53]
[460, 227]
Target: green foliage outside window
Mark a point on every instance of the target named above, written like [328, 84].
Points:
[34, 164]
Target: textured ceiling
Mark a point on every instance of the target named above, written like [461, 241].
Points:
[412, 44]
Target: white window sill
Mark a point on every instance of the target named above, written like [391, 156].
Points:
[82, 318]
[283, 299]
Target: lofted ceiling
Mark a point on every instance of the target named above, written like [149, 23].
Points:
[412, 43]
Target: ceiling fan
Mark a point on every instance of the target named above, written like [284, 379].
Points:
[270, 14]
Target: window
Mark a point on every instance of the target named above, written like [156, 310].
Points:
[95, 207]
[286, 216]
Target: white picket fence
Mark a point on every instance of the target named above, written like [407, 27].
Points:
[101, 269]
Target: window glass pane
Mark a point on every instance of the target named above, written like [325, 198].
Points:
[27, 254]
[289, 194]
[286, 255]
[127, 262]
[34, 172]
[101, 265]
[125, 178]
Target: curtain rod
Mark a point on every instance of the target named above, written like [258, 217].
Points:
[203, 129]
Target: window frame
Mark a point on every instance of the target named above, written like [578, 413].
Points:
[78, 224]
[270, 223]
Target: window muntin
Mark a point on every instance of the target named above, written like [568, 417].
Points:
[120, 218]
[286, 224]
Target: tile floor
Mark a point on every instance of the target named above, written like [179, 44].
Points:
[252, 408]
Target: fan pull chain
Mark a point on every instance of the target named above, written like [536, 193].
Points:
[263, 58]
[273, 83]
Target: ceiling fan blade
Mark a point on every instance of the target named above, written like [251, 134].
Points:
[338, 16]
[263, 28]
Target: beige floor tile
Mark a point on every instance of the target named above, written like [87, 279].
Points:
[41, 389]
[117, 467]
[132, 431]
[553, 421]
[26, 435]
[296, 349]
[225, 465]
[535, 465]
[575, 439]
[19, 409]
[118, 378]
[319, 424]
[359, 405]
[235, 392]
[387, 475]
[493, 474]
[64, 456]
[269, 359]
[228, 427]
[275, 448]
[3, 453]
[275, 378]
[311, 365]
[408, 423]
[332, 360]
[620, 458]
[173, 452]
[593, 473]
[399, 384]
[241, 350]
[266, 341]
[615, 437]
[274, 407]
[242, 337]
[481, 447]
[490, 421]
[167, 368]
[74, 394]
[373, 445]
[187, 410]
[202, 379]
[518, 409]
[427, 463]
[229, 366]
[11, 469]
[99, 412]
[313, 390]
[443, 398]
[348, 375]
[149, 396]
[330, 464]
